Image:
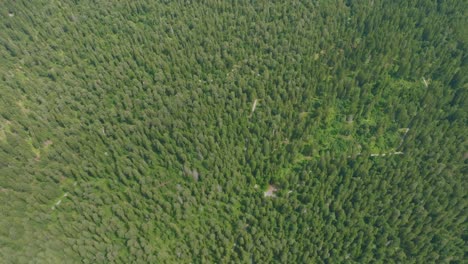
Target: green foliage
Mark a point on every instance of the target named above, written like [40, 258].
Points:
[128, 131]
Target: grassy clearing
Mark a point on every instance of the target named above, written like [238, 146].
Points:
[4, 128]
[35, 150]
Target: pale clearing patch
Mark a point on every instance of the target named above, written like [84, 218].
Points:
[303, 114]
[426, 83]
[23, 108]
[387, 154]
[59, 201]
[270, 192]
[404, 130]
[193, 173]
[48, 143]
[4, 127]
[254, 106]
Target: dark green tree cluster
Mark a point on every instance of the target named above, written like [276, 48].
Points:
[149, 131]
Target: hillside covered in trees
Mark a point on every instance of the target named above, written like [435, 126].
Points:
[233, 131]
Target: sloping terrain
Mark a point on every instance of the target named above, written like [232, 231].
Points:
[136, 132]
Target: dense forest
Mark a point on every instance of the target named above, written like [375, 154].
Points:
[233, 131]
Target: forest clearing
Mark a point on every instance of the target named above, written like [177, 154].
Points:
[233, 131]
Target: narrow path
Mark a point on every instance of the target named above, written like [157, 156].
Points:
[387, 154]
[59, 201]
[254, 106]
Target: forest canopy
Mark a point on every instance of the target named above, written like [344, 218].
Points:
[233, 131]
